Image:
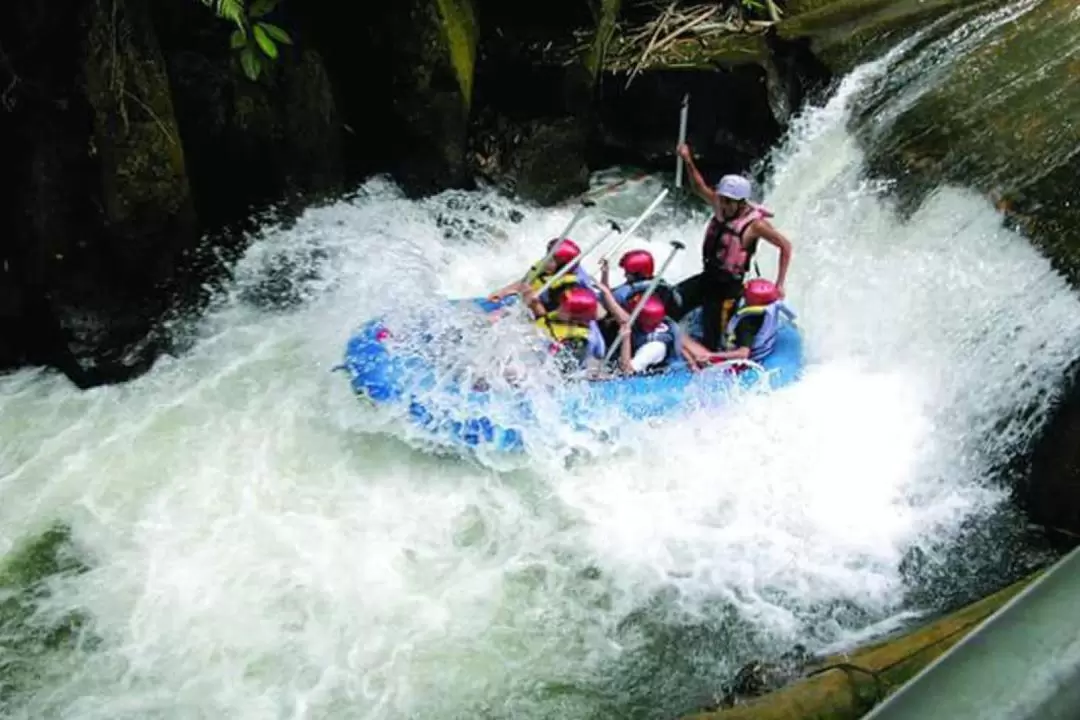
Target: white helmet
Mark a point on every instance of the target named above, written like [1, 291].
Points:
[735, 187]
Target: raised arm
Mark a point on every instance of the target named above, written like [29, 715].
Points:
[612, 306]
[701, 187]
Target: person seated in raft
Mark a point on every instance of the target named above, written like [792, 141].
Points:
[639, 269]
[652, 343]
[751, 332]
[618, 315]
[566, 252]
[576, 339]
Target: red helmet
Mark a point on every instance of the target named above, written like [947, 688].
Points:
[652, 314]
[638, 262]
[579, 304]
[760, 291]
[565, 252]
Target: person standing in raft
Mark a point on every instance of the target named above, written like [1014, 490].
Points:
[731, 240]
[751, 331]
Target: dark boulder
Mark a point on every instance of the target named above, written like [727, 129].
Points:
[99, 214]
[402, 73]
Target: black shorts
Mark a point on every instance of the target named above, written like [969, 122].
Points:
[716, 294]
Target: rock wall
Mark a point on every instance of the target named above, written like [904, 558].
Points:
[128, 131]
[248, 143]
[100, 211]
[403, 76]
[1001, 118]
[1049, 489]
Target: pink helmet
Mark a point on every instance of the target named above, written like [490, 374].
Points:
[652, 314]
[638, 262]
[565, 252]
[760, 291]
[579, 303]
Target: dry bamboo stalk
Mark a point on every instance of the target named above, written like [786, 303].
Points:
[652, 42]
[695, 24]
[679, 31]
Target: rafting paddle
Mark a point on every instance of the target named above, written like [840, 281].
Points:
[634, 226]
[676, 246]
[585, 205]
[683, 116]
[569, 267]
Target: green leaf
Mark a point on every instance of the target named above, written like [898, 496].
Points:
[277, 33]
[265, 42]
[250, 62]
[231, 10]
[261, 7]
[238, 39]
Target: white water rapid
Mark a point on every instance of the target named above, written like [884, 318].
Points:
[261, 545]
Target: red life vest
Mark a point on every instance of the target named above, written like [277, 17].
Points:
[724, 249]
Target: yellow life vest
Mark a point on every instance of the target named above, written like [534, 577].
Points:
[570, 342]
[733, 323]
[562, 331]
[538, 279]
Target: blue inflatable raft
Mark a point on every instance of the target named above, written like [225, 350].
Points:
[453, 413]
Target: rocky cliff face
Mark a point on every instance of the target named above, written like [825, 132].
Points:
[999, 116]
[100, 212]
[127, 132]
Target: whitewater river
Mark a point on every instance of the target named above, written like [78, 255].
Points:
[261, 545]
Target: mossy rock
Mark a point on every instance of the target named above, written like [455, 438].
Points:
[135, 131]
[721, 51]
[847, 686]
[458, 25]
[793, 8]
[26, 638]
[98, 178]
[1001, 119]
[843, 33]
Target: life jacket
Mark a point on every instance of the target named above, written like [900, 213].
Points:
[551, 297]
[570, 341]
[629, 293]
[765, 340]
[664, 332]
[724, 249]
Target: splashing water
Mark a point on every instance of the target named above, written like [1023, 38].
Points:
[262, 545]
